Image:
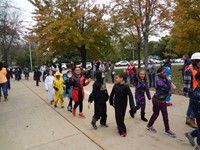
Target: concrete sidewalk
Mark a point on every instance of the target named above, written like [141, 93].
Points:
[28, 122]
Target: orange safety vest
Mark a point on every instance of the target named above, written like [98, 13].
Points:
[194, 81]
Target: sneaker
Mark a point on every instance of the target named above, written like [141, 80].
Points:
[82, 115]
[62, 107]
[55, 106]
[94, 125]
[190, 138]
[197, 147]
[151, 129]
[123, 134]
[168, 103]
[104, 125]
[171, 134]
[74, 113]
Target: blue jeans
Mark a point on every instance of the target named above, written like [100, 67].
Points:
[190, 113]
[152, 80]
[106, 76]
[131, 78]
[3, 86]
[195, 104]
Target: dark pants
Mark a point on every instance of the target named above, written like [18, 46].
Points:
[112, 77]
[8, 84]
[119, 116]
[100, 112]
[70, 103]
[80, 101]
[196, 109]
[157, 107]
[131, 78]
[152, 80]
[141, 103]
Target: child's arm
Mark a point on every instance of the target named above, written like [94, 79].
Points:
[54, 85]
[46, 85]
[148, 93]
[132, 110]
[111, 101]
[87, 82]
[93, 94]
[131, 100]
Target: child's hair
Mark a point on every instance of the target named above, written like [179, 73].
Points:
[122, 75]
[160, 70]
[197, 76]
[138, 74]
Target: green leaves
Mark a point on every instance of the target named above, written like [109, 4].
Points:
[186, 30]
[69, 25]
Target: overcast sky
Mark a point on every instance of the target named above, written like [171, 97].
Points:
[27, 8]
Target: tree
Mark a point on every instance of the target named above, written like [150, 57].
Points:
[144, 18]
[186, 29]
[68, 25]
[10, 26]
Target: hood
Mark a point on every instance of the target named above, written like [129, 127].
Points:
[99, 75]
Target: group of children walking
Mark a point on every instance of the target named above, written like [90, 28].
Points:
[73, 83]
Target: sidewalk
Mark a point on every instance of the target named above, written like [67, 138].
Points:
[28, 122]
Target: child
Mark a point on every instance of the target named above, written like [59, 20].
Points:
[69, 91]
[141, 86]
[48, 86]
[195, 103]
[163, 86]
[78, 81]
[100, 96]
[168, 75]
[58, 85]
[118, 99]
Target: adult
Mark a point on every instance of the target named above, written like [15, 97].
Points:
[195, 100]
[94, 69]
[187, 62]
[106, 71]
[131, 70]
[189, 85]
[151, 73]
[37, 75]
[112, 72]
[3, 82]
[101, 66]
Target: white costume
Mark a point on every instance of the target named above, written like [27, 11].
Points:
[48, 86]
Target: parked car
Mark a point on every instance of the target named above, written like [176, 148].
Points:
[157, 61]
[88, 65]
[179, 60]
[136, 62]
[122, 63]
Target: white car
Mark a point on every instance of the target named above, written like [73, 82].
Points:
[88, 65]
[122, 63]
[179, 60]
[136, 62]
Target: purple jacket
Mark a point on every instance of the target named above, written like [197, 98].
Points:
[163, 87]
[141, 86]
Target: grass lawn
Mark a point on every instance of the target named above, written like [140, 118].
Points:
[176, 78]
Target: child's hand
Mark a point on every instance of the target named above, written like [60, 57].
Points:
[89, 105]
[89, 79]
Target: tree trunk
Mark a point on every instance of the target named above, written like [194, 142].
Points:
[83, 55]
[139, 50]
[146, 50]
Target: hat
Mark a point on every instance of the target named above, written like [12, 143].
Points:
[58, 73]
